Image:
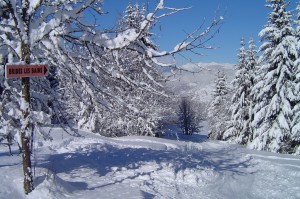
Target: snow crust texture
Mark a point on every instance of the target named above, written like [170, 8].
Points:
[144, 167]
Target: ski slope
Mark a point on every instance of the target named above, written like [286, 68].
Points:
[92, 166]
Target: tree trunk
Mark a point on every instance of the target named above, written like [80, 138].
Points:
[9, 139]
[26, 133]
[26, 138]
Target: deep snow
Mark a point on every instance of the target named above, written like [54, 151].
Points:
[92, 166]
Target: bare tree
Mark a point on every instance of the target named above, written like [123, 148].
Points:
[188, 118]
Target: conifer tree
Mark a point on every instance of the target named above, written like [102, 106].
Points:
[297, 22]
[296, 110]
[218, 112]
[252, 61]
[240, 128]
[273, 90]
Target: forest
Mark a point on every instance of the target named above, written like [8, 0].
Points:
[115, 82]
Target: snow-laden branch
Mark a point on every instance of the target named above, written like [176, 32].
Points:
[95, 69]
[172, 11]
[131, 37]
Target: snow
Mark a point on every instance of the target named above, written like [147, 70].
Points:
[181, 46]
[92, 166]
[200, 84]
[160, 5]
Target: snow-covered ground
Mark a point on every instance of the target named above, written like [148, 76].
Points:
[92, 166]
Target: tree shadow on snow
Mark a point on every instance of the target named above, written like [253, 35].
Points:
[58, 182]
[104, 159]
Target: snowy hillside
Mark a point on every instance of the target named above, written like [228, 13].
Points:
[200, 85]
[92, 166]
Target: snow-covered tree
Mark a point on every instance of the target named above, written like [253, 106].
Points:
[252, 61]
[297, 21]
[140, 107]
[295, 143]
[296, 110]
[57, 33]
[219, 111]
[25, 29]
[240, 128]
[240, 105]
[274, 88]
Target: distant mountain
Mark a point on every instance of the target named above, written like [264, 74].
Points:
[199, 85]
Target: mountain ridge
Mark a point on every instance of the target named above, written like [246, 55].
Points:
[198, 83]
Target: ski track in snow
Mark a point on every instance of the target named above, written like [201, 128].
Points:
[144, 167]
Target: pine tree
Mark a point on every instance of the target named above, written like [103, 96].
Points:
[218, 112]
[252, 61]
[273, 91]
[297, 21]
[296, 110]
[240, 119]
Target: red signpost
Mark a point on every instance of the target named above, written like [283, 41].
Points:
[16, 71]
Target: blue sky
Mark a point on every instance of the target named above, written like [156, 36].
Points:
[242, 18]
